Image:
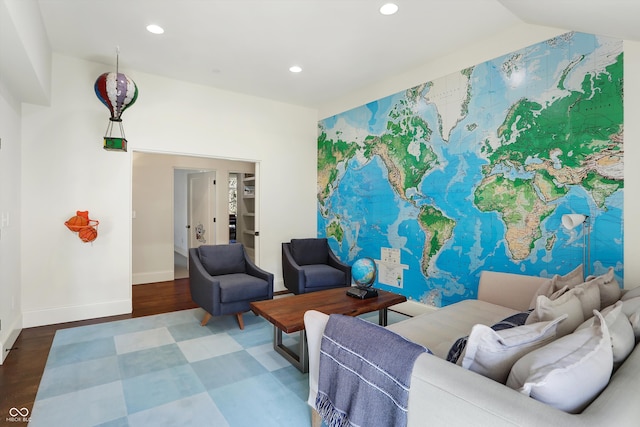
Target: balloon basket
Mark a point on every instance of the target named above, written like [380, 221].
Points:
[115, 144]
[114, 140]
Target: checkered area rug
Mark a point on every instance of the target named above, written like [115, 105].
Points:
[167, 370]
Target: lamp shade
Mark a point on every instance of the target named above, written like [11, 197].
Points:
[571, 221]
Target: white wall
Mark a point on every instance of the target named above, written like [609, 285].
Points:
[10, 294]
[631, 171]
[25, 74]
[66, 169]
[25, 62]
[516, 38]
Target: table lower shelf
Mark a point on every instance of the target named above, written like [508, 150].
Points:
[300, 359]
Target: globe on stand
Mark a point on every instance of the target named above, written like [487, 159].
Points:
[363, 273]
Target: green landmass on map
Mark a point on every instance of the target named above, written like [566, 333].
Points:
[438, 229]
[573, 140]
[330, 154]
[334, 229]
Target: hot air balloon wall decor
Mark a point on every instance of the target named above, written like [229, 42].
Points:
[117, 92]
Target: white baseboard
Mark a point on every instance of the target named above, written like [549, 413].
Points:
[55, 315]
[278, 286]
[154, 276]
[9, 337]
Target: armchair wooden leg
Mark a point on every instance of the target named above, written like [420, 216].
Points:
[205, 319]
[316, 420]
[240, 320]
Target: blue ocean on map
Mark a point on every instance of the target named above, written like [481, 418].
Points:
[373, 216]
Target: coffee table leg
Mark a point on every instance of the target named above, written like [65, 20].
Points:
[382, 317]
[299, 360]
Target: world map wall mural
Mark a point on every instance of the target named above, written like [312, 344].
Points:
[473, 171]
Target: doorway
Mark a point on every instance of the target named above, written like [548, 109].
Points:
[159, 204]
[194, 206]
[201, 208]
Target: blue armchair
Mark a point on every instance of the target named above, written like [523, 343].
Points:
[310, 265]
[224, 280]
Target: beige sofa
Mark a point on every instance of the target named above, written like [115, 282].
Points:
[445, 394]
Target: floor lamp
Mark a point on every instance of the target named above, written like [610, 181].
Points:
[571, 221]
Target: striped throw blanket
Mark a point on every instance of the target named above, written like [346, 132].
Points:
[365, 374]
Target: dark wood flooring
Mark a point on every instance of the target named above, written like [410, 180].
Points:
[22, 369]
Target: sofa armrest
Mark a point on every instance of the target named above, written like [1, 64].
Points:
[452, 395]
[335, 262]
[314, 324]
[510, 290]
[205, 290]
[292, 273]
[253, 270]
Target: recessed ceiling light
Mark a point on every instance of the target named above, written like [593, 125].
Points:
[155, 29]
[389, 9]
[295, 69]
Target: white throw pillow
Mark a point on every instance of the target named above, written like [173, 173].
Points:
[547, 309]
[634, 319]
[571, 279]
[610, 291]
[620, 331]
[631, 306]
[546, 289]
[493, 353]
[588, 293]
[631, 293]
[557, 282]
[631, 309]
[569, 372]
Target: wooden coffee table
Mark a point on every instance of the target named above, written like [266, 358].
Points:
[287, 315]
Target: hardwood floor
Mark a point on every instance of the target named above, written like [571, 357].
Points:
[22, 369]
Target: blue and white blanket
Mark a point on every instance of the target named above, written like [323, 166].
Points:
[360, 385]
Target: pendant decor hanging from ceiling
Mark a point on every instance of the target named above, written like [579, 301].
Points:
[118, 92]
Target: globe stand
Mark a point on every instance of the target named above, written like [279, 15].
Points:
[361, 292]
[363, 273]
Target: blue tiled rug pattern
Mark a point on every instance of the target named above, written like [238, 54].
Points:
[167, 370]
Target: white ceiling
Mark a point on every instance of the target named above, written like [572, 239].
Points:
[247, 46]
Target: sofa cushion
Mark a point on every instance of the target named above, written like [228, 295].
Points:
[569, 372]
[222, 259]
[323, 275]
[438, 329]
[241, 287]
[493, 353]
[548, 309]
[620, 331]
[310, 251]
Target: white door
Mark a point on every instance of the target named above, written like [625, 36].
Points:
[256, 256]
[202, 209]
